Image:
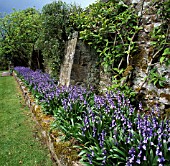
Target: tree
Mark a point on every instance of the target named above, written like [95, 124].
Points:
[56, 28]
[19, 32]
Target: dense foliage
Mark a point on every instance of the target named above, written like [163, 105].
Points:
[56, 29]
[109, 129]
[19, 32]
[110, 28]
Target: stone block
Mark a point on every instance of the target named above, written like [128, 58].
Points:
[5, 74]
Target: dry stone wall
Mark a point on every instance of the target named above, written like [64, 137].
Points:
[152, 94]
[80, 64]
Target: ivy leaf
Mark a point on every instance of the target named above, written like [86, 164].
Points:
[90, 43]
[166, 51]
[162, 59]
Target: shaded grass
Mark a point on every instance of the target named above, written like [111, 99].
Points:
[19, 144]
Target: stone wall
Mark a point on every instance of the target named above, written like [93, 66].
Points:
[84, 70]
[152, 94]
[80, 65]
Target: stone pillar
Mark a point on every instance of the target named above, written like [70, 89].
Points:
[66, 67]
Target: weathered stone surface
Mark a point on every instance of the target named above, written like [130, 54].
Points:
[152, 92]
[5, 74]
[84, 70]
[105, 80]
[66, 67]
[79, 65]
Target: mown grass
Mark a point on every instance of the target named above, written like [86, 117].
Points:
[18, 143]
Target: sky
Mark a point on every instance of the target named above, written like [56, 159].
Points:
[6, 6]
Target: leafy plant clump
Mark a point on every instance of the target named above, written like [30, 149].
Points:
[109, 130]
[156, 78]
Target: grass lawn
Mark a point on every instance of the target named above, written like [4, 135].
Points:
[19, 144]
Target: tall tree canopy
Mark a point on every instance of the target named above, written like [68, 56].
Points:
[19, 32]
[57, 25]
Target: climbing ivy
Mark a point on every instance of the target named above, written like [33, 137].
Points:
[156, 78]
[110, 28]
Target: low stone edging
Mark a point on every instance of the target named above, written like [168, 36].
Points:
[43, 121]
